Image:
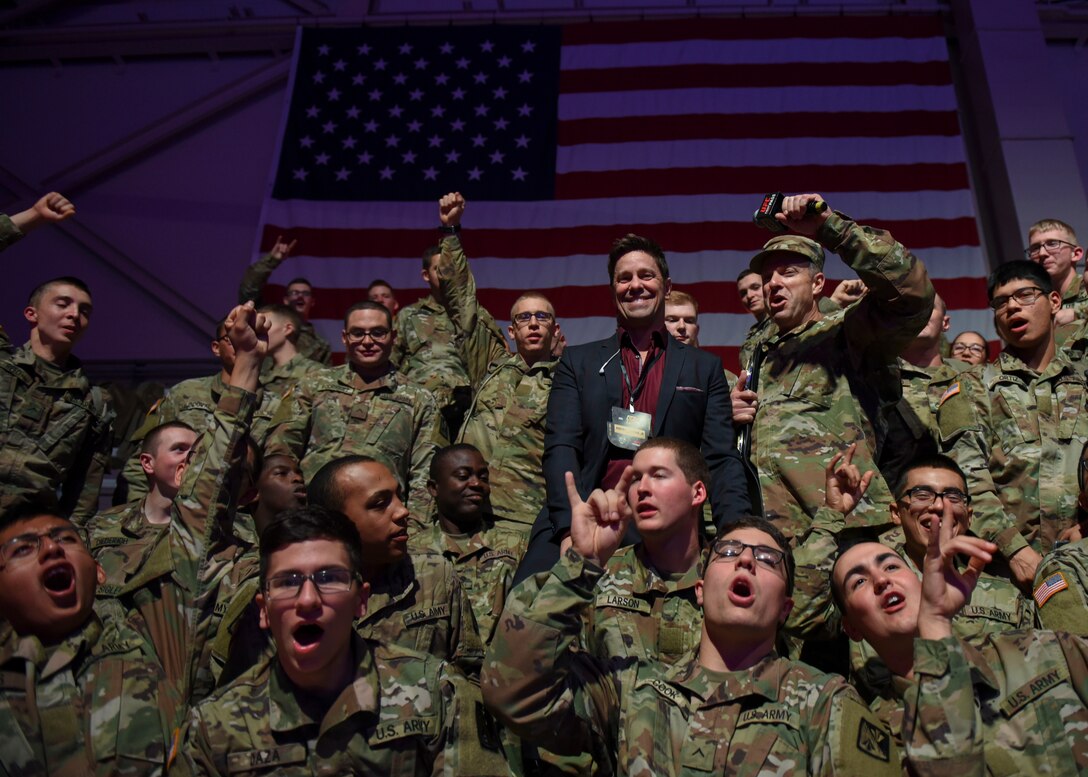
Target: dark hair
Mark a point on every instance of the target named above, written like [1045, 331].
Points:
[303, 524]
[979, 335]
[444, 453]
[379, 282]
[367, 304]
[151, 439]
[631, 242]
[688, 458]
[288, 312]
[35, 297]
[929, 461]
[765, 526]
[430, 252]
[746, 272]
[28, 511]
[325, 489]
[1018, 270]
[299, 279]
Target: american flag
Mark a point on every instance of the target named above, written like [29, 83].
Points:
[1049, 587]
[564, 138]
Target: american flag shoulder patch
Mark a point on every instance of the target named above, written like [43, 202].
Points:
[951, 391]
[1049, 587]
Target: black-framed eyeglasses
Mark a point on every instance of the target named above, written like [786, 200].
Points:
[378, 334]
[1050, 245]
[542, 317]
[976, 348]
[25, 547]
[730, 550]
[924, 496]
[1025, 297]
[305, 293]
[329, 581]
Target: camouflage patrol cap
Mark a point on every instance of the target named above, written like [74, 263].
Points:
[793, 244]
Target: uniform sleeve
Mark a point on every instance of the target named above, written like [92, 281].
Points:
[428, 438]
[963, 418]
[900, 296]
[477, 345]
[289, 429]
[856, 742]
[197, 755]
[9, 233]
[80, 491]
[814, 615]
[467, 648]
[942, 730]
[560, 699]
[1065, 609]
[254, 279]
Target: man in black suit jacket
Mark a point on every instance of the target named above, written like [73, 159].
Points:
[692, 402]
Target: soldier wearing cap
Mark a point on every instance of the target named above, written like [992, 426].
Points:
[822, 377]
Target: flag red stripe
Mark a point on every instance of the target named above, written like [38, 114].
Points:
[594, 240]
[581, 301]
[765, 76]
[760, 125]
[743, 180]
[868, 27]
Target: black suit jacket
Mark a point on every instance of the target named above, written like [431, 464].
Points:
[693, 405]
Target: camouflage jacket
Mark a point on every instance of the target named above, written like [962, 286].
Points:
[310, 344]
[278, 380]
[510, 398]
[1017, 435]
[419, 604]
[639, 615]
[391, 720]
[817, 392]
[9, 233]
[1061, 589]
[331, 415]
[425, 350]
[172, 575]
[779, 716]
[1017, 706]
[55, 436]
[485, 563]
[97, 703]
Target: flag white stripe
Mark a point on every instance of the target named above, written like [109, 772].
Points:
[593, 56]
[726, 101]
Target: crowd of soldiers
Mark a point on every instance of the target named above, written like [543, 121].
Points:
[863, 555]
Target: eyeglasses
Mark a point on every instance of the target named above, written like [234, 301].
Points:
[1082, 473]
[542, 317]
[328, 582]
[1050, 245]
[976, 348]
[1024, 297]
[924, 496]
[730, 550]
[305, 293]
[25, 547]
[377, 335]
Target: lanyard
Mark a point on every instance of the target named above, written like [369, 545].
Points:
[633, 393]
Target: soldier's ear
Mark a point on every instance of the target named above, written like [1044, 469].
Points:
[699, 592]
[432, 488]
[784, 614]
[262, 619]
[893, 508]
[99, 573]
[849, 629]
[364, 597]
[30, 313]
[818, 279]
[698, 493]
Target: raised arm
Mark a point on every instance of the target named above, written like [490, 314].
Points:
[258, 273]
[50, 209]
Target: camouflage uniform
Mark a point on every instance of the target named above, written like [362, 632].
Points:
[55, 434]
[278, 380]
[779, 717]
[96, 703]
[9, 233]
[310, 344]
[816, 382]
[640, 616]
[1061, 589]
[332, 414]
[391, 720]
[1018, 705]
[1017, 435]
[510, 398]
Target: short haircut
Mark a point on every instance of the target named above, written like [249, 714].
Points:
[929, 461]
[444, 453]
[429, 254]
[379, 282]
[299, 279]
[631, 242]
[367, 304]
[1045, 225]
[979, 335]
[765, 526]
[150, 442]
[28, 511]
[746, 272]
[288, 312]
[35, 297]
[840, 551]
[325, 489]
[530, 295]
[688, 458]
[304, 524]
[677, 297]
[1018, 270]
